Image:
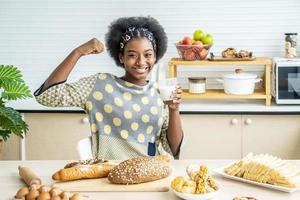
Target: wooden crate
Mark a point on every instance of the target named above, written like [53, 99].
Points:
[264, 93]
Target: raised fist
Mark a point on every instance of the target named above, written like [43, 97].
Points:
[93, 46]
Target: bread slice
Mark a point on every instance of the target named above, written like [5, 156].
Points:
[140, 169]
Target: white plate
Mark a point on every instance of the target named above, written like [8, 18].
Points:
[275, 187]
[206, 196]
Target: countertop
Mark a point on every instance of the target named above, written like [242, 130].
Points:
[10, 182]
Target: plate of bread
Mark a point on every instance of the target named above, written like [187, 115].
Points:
[263, 170]
[231, 54]
[198, 186]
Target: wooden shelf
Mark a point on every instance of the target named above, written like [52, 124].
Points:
[264, 93]
[219, 94]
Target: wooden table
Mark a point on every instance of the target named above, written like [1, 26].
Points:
[10, 182]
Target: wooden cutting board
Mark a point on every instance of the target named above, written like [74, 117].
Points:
[103, 185]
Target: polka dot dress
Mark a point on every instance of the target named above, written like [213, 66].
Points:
[124, 113]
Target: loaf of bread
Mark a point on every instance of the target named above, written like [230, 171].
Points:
[85, 169]
[140, 169]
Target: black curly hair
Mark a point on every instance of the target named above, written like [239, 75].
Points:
[119, 26]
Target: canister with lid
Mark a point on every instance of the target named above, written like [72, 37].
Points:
[290, 45]
[197, 85]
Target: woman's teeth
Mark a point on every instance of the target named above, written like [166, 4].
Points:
[141, 70]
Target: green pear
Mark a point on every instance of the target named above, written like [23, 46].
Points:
[198, 35]
[208, 39]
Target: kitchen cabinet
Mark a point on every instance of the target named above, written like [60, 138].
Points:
[54, 136]
[211, 137]
[233, 136]
[274, 134]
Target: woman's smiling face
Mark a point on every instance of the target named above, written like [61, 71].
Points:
[138, 59]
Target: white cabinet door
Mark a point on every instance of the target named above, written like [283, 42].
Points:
[278, 135]
[211, 136]
[54, 136]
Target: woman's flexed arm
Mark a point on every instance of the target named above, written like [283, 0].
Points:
[61, 73]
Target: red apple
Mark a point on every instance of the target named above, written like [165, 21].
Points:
[198, 43]
[189, 55]
[203, 54]
[187, 40]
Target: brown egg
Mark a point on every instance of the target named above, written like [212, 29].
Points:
[34, 187]
[44, 188]
[55, 198]
[32, 194]
[76, 196]
[65, 195]
[44, 196]
[55, 191]
[22, 192]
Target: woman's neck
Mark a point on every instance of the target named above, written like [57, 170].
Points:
[140, 82]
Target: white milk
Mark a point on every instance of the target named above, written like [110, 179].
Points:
[165, 92]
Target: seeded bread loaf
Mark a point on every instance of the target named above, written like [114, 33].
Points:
[140, 169]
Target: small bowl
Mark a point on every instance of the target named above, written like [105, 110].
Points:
[193, 52]
[206, 196]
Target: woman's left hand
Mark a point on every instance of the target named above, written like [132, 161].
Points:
[176, 98]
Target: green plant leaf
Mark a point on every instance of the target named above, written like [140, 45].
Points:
[5, 134]
[9, 73]
[15, 90]
[11, 120]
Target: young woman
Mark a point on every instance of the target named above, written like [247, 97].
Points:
[127, 116]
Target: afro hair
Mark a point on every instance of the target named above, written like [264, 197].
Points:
[120, 25]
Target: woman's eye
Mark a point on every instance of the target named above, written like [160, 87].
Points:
[148, 55]
[131, 55]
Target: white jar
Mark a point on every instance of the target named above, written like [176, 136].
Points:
[197, 85]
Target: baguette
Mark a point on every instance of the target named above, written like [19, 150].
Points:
[140, 169]
[84, 170]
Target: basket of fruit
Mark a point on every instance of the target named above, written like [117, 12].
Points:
[196, 48]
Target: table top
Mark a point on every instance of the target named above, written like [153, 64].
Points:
[10, 182]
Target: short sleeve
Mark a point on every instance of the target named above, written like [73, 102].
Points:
[67, 94]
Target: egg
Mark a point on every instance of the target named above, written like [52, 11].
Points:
[55, 191]
[65, 195]
[34, 187]
[44, 188]
[32, 195]
[44, 196]
[76, 196]
[55, 198]
[22, 192]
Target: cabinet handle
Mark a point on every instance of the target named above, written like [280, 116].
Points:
[248, 121]
[234, 121]
[85, 120]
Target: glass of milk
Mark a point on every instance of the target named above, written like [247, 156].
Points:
[166, 87]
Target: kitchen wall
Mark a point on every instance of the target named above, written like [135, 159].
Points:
[36, 35]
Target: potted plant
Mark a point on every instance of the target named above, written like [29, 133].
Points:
[12, 87]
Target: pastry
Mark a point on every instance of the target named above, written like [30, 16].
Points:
[140, 169]
[229, 53]
[93, 168]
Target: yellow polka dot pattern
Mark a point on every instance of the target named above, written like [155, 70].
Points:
[145, 118]
[102, 76]
[127, 96]
[141, 138]
[153, 110]
[127, 114]
[118, 101]
[108, 108]
[98, 95]
[124, 134]
[136, 107]
[99, 116]
[149, 129]
[128, 84]
[134, 126]
[145, 100]
[117, 121]
[94, 128]
[109, 88]
[89, 105]
[107, 129]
